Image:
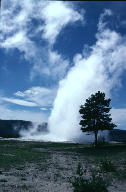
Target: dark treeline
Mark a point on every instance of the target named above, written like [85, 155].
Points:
[117, 135]
[12, 128]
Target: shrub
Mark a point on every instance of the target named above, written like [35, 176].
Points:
[3, 180]
[93, 183]
[79, 170]
[1, 172]
[107, 166]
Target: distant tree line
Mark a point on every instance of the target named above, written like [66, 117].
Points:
[12, 128]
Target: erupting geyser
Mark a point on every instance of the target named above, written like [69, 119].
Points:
[101, 70]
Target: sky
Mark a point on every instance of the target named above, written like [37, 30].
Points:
[55, 54]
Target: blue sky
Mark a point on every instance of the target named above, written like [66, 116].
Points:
[42, 42]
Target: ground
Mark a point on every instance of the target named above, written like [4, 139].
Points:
[28, 166]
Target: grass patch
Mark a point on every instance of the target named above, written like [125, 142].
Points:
[13, 153]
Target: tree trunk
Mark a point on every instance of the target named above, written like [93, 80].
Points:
[96, 138]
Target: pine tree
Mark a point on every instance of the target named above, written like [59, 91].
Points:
[95, 114]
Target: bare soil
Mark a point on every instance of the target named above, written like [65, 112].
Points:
[49, 166]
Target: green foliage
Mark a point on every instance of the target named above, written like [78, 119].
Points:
[93, 183]
[16, 153]
[95, 114]
[107, 166]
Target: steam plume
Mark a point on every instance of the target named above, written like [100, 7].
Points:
[100, 70]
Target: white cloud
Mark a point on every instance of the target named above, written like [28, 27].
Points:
[21, 42]
[17, 31]
[39, 95]
[57, 15]
[119, 115]
[102, 23]
[19, 93]
[44, 109]
[58, 64]
[14, 25]
[19, 102]
[7, 113]
[55, 66]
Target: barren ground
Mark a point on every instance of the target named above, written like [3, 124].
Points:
[44, 166]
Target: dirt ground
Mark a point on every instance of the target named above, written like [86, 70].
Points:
[51, 173]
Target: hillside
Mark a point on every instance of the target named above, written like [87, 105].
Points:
[117, 135]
